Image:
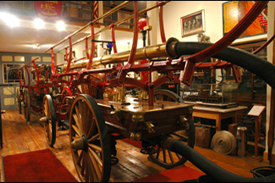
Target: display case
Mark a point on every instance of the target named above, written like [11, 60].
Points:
[207, 90]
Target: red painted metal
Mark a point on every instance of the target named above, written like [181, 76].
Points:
[236, 73]
[186, 75]
[92, 48]
[264, 45]
[122, 73]
[53, 70]
[86, 47]
[161, 26]
[70, 55]
[114, 40]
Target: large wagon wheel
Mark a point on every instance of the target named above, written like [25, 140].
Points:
[163, 156]
[19, 101]
[26, 104]
[50, 122]
[89, 140]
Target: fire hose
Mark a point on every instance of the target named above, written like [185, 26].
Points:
[258, 66]
[207, 166]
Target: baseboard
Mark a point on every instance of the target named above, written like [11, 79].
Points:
[265, 158]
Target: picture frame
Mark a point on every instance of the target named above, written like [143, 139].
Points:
[73, 56]
[234, 11]
[193, 23]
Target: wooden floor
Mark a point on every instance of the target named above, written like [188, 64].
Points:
[18, 137]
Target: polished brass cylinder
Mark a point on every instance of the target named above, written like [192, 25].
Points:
[148, 52]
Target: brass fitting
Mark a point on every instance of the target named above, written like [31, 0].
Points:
[150, 127]
[135, 136]
[138, 118]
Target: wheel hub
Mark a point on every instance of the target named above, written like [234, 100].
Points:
[80, 143]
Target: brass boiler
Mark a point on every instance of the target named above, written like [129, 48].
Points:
[148, 52]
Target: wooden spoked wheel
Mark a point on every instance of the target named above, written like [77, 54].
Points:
[50, 122]
[164, 157]
[90, 141]
[26, 104]
[19, 101]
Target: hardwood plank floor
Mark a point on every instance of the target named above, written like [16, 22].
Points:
[18, 137]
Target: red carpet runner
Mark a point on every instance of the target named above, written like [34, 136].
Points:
[35, 166]
[177, 174]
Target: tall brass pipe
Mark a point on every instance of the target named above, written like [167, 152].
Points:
[148, 52]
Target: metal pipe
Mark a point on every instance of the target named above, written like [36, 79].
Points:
[160, 50]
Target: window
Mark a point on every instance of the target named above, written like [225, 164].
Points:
[7, 58]
[9, 73]
[19, 58]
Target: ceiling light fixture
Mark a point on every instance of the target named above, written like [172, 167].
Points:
[60, 25]
[36, 46]
[38, 23]
[9, 19]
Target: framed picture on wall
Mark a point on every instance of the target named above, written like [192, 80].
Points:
[73, 56]
[234, 11]
[192, 24]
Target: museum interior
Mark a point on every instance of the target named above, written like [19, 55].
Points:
[137, 91]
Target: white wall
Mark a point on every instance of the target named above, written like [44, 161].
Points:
[174, 10]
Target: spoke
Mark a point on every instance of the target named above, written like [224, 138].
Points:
[50, 132]
[80, 157]
[83, 164]
[164, 155]
[170, 155]
[76, 130]
[87, 119]
[87, 169]
[97, 159]
[92, 169]
[78, 115]
[96, 165]
[158, 152]
[178, 156]
[46, 108]
[95, 147]
[91, 128]
[76, 137]
[94, 138]
[77, 123]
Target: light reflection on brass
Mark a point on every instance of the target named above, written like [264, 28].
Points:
[135, 136]
[138, 118]
[149, 52]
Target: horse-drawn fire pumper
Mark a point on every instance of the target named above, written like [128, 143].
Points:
[32, 89]
[92, 98]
